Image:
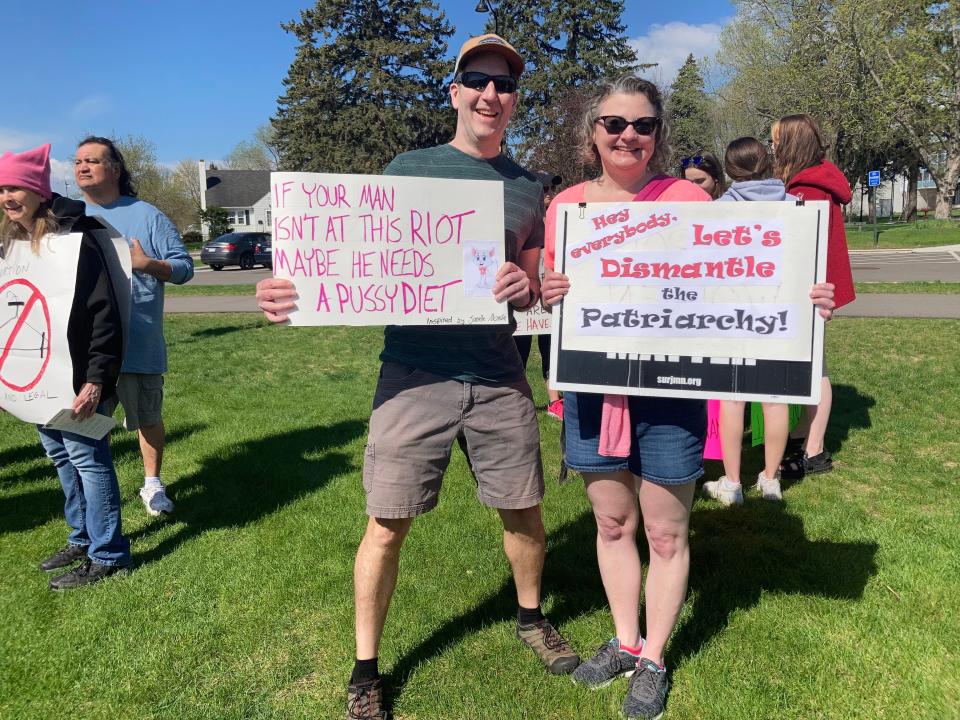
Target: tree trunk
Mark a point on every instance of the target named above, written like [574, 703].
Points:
[910, 201]
[872, 205]
[947, 188]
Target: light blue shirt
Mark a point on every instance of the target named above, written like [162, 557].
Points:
[134, 218]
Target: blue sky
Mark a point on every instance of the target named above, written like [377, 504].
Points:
[198, 77]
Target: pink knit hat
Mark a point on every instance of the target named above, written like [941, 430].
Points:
[29, 169]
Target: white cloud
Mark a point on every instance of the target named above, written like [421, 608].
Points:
[17, 141]
[62, 171]
[669, 45]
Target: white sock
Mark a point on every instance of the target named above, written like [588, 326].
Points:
[152, 481]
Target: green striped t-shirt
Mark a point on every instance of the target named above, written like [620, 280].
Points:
[470, 353]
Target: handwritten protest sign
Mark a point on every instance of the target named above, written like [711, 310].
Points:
[536, 320]
[36, 294]
[375, 250]
[690, 299]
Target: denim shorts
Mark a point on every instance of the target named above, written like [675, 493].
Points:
[666, 444]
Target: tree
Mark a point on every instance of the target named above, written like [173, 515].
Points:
[688, 111]
[566, 46]
[157, 184]
[367, 83]
[910, 53]
[216, 220]
[248, 156]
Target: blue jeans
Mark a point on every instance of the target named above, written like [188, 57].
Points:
[666, 444]
[92, 506]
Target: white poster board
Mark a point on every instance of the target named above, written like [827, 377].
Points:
[36, 294]
[385, 250]
[536, 320]
[686, 298]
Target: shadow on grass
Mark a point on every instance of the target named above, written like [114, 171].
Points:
[26, 511]
[850, 411]
[570, 575]
[737, 554]
[245, 482]
[740, 552]
[221, 330]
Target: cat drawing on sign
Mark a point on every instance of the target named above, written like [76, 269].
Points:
[486, 261]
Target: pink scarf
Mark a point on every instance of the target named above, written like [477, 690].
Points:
[615, 420]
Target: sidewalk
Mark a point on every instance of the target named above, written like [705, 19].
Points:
[866, 305]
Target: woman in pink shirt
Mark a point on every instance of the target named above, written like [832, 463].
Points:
[658, 455]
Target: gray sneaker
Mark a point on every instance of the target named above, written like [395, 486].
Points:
[647, 693]
[607, 665]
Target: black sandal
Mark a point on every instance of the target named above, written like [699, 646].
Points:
[793, 465]
[818, 463]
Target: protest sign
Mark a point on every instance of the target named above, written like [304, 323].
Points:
[536, 320]
[706, 300]
[36, 294]
[376, 250]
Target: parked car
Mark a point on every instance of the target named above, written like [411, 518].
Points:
[245, 249]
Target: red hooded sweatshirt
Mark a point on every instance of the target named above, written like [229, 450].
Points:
[826, 182]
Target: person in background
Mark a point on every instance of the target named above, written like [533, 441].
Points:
[703, 169]
[748, 164]
[35, 219]
[800, 153]
[158, 256]
[551, 186]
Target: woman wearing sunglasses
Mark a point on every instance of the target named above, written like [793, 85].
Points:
[624, 133]
[703, 169]
[659, 455]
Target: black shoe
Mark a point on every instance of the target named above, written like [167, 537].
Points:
[86, 573]
[366, 701]
[67, 555]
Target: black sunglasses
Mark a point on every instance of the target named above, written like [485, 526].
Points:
[696, 161]
[479, 81]
[614, 124]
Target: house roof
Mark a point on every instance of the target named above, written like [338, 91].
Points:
[236, 188]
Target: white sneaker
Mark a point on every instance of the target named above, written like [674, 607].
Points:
[768, 488]
[725, 491]
[155, 499]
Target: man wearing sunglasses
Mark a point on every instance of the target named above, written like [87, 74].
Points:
[466, 384]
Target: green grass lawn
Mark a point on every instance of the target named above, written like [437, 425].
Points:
[841, 603]
[190, 290]
[923, 233]
[934, 287]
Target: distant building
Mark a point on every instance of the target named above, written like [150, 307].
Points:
[244, 194]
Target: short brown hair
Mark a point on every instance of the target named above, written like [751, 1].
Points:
[626, 85]
[747, 158]
[799, 145]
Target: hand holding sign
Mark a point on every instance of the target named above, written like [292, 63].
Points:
[512, 285]
[554, 286]
[85, 403]
[822, 296]
[275, 297]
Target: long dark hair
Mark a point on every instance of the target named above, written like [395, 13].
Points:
[124, 182]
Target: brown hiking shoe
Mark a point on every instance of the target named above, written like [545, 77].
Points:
[365, 701]
[550, 646]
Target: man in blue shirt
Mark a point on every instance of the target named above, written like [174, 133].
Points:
[157, 255]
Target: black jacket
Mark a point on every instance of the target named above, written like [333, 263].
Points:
[94, 332]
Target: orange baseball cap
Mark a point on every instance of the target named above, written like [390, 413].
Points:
[491, 43]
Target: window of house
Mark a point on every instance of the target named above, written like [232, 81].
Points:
[238, 216]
